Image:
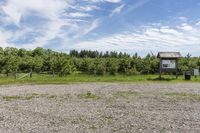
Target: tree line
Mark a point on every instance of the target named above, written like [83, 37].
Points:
[40, 60]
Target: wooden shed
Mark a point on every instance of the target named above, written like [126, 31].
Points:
[168, 62]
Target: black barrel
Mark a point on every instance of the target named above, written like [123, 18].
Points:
[187, 75]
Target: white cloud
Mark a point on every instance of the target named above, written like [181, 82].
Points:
[86, 8]
[15, 9]
[186, 27]
[93, 26]
[84, 29]
[151, 38]
[198, 23]
[135, 6]
[79, 14]
[4, 36]
[183, 18]
[56, 15]
[117, 9]
[111, 1]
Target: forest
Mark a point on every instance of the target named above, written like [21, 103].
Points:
[40, 60]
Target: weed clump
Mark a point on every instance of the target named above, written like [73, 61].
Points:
[88, 95]
[28, 97]
[9, 98]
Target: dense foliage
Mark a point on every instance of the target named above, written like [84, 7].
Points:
[39, 60]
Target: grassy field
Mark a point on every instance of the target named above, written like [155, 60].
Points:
[75, 78]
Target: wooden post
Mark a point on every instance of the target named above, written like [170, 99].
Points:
[15, 74]
[176, 68]
[53, 73]
[160, 69]
[31, 73]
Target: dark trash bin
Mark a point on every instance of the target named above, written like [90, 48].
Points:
[187, 75]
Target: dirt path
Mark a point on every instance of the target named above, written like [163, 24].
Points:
[100, 107]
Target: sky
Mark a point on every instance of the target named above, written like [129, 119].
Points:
[142, 26]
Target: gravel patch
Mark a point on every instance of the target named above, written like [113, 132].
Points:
[101, 108]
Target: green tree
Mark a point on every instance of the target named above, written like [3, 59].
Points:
[112, 66]
[38, 63]
[97, 67]
[124, 65]
[39, 52]
[64, 65]
[11, 64]
[10, 51]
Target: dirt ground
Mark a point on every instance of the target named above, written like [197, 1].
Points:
[101, 108]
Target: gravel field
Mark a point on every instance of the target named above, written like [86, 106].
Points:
[101, 108]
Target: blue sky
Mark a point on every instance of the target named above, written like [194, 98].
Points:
[130, 26]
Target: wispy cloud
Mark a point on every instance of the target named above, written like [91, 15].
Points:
[16, 9]
[136, 5]
[117, 10]
[88, 8]
[4, 35]
[85, 29]
[111, 1]
[198, 23]
[56, 16]
[182, 38]
[182, 18]
[79, 14]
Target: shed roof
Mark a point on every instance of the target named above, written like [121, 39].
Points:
[169, 55]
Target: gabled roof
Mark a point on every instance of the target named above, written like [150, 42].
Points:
[169, 55]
